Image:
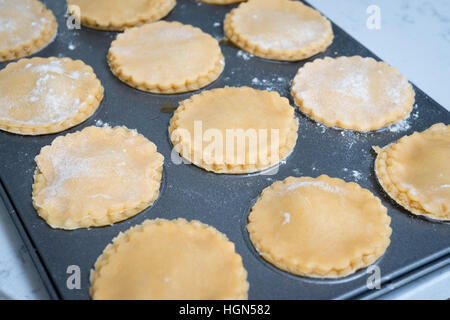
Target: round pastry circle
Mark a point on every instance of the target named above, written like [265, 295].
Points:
[241, 130]
[116, 15]
[96, 177]
[47, 95]
[278, 29]
[352, 93]
[26, 27]
[415, 171]
[319, 227]
[166, 57]
[162, 259]
[221, 1]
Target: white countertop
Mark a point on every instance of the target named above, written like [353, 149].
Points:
[414, 36]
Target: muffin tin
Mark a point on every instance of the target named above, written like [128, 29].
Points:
[418, 245]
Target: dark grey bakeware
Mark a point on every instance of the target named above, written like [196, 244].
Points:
[418, 245]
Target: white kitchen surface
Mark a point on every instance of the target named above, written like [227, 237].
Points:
[414, 36]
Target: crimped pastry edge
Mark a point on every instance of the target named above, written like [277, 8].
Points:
[113, 247]
[314, 270]
[383, 178]
[112, 216]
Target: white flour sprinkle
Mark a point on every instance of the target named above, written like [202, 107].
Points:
[270, 84]
[356, 175]
[402, 125]
[50, 98]
[415, 112]
[319, 184]
[349, 138]
[256, 81]
[100, 123]
[216, 24]
[55, 67]
[73, 166]
[244, 55]
[296, 33]
[7, 26]
[71, 46]
[322, 127]
[287, 218]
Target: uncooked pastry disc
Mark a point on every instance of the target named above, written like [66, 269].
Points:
[116, 15]
[96, 177]
[319, 227]
[278, 29]
[415, 171]
[162, 259]
[352, 93]
[166, 57]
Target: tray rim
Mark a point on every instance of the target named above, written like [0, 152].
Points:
[406, 277]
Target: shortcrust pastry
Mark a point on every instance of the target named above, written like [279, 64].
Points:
[278, 29]
[26, 27]
[47, 95]
[354, 93]
[162, 259]
[234, 130]
[415, 171]
[96, 177]
[319, 227]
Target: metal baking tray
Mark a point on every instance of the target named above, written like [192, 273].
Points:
[223, 201]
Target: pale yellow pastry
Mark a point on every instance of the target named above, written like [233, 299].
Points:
[221, 1]
[96, 177]
[415, 171]
[278, 29]
[234, 130]
[162, 259]
[319, 227]
[26, 27]
[116, 15]
[166, 57]
[352, 93]
[47, 95]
